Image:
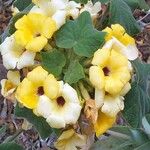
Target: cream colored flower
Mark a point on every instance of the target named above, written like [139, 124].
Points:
[14, 55]
[92, 9]
[59, 10]
[118, 39]
[10, 84]
[65, 109]
[70, 140]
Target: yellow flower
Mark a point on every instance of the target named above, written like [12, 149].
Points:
[10, 84]
[103, 123]
[119, 33]
[57, 102]
[34, 30]
[35, 85]
[118, 38]
[110, 71]
[70, 140]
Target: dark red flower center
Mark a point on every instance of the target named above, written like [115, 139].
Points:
[61, 101]
[106, 71]
[40, 91]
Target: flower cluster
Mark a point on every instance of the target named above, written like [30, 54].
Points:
[51, 97]
[111, 73]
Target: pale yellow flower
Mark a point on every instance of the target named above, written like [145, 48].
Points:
[70, 140]
[110, 71]
[109, 104]
[15, 55]
[63, 110]
[92, 9]
[34, 30]
[10, 84]
[59, 10]
[119, 39]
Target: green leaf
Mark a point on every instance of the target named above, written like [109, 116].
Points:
[121, 129]
[134, 4]
[53, 62]
[81, 1]
[121, 13]
[139, 137]
[112, 143]
[137, 101]
[39, 122]
[22, 4]
[80, 35]
[102, 1]
[145, 146]
[146, 123]
[10, 146]
[143, 4]
[74, 73]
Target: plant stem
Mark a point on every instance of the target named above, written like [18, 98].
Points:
[84, 92]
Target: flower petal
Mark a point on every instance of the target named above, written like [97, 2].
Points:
[101, 57]
[9, 61]
[70, 94]
[92, 9]
[36, 44]
[26, 59]
[60, 18]
[48, 28]
[104, 122]
[130, 51]
[44, 106]
[14, 77]
[7, 88]
[125, 89]
[51, 87]
[56, 121]
[112, 105]
[99, 97]
[37, 76]
[70, 140]
[26, 94]
[23, 36]
[97, 77]
[113, 85]
[7, 45]
[72, 113]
